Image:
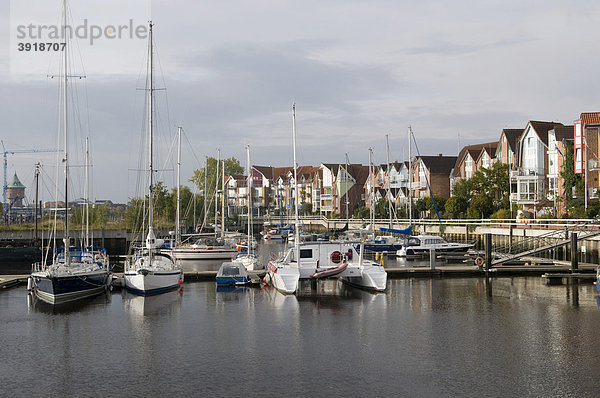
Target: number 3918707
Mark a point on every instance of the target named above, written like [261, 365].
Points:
[40, 46]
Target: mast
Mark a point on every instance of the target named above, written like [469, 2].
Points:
[37, 188]
[296, 185]
[387, 143]
[87, 192]
[249, 186]
[409, 178]
[223, 200]
[217, 192]
[150, 239]
[372, 193]
[205, 190]
[177, 226]
[346, 182]
[66, 239]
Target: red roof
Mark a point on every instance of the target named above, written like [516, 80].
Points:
[590, 118]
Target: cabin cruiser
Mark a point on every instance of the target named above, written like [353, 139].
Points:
[317, 260]
[422, 244]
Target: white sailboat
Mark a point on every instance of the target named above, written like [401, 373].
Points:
[322, 260]
[248, 258]
[149, 271]
[72, 272]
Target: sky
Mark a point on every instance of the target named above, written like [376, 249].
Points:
[456, 72]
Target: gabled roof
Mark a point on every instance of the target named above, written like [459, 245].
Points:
[266, 171]
[359, 172]
[281, 172]
[542, 128]
[512, 137]
[475, 152]
[439, 164]
[564, 133]
[334, 167]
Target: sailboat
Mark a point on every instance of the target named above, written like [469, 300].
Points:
[322, 260]
[149, 271]
[73, 272]
[248, 258]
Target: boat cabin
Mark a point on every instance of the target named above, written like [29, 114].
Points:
[322, 254]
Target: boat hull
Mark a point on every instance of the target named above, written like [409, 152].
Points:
[283, 279]
[200, 254]
[56, 289]
[152, 282]
[415, 251]
[233, 280]
[382, 247]
[372, 278]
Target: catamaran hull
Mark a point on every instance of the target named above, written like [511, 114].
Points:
[372, 278]
[65, 288]
[152, 282]
[283, 279]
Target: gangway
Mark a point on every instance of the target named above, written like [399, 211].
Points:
[539, 244]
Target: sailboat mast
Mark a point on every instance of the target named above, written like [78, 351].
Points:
[409, 178]
[217, 191]
[372, 193]
[249, 186]
[150, 240]
[223, 200]
[37, 189]
[177, 226]
[346, 183]
[87, 192]
[66, 239]
[296, 184]
[389, 189]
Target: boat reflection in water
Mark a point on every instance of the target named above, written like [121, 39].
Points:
[332, 294]
[166, 303]
[35, 304]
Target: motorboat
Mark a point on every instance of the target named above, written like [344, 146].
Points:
[423, 244]
[232, 273]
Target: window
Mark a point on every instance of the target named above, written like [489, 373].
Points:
[468, 167]
[305, 253]
[485, 160]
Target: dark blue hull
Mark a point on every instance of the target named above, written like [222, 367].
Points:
[380, 247]
[61, 289]
[411, 251]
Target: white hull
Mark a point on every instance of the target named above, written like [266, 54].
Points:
[284, 279]
[153, 282]
[285, 274]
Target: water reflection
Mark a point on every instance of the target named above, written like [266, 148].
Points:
[168, 303]
[34, 304]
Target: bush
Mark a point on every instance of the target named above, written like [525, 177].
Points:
[501, 214]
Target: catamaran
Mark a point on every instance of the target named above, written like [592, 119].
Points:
[321, 260]
[149, 271]
[72, 272]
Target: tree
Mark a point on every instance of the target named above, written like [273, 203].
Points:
[306, 208]
[481, 206]
[456, 206]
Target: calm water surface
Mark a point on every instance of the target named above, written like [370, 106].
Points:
[445, 337]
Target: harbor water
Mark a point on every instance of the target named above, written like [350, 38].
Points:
[422, 337]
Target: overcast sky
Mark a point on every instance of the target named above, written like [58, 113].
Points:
[357, 70]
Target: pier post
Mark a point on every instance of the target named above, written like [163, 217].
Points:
[432, 259]
[510, 237]
[574, 262]
[488, 251]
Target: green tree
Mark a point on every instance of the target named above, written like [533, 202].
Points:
[481, 206]
[306, 208]
[456, 206]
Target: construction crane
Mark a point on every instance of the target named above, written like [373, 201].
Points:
[5, 153]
